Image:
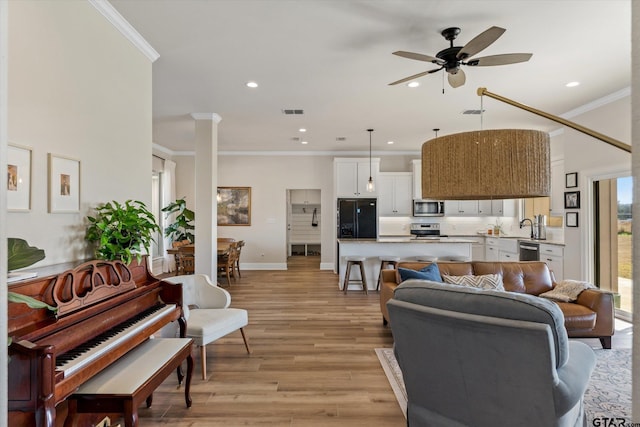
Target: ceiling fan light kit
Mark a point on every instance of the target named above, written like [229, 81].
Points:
[487, 164]
[451, 58]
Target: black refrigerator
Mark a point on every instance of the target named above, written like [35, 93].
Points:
[357, 219]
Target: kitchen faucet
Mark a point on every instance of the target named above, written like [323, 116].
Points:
[530, 223]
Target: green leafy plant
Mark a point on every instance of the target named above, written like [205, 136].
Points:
[20, 255]
[182, 228]
[122, 231]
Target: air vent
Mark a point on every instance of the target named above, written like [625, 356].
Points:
[476, 112]
[289, 112]
[341, 138]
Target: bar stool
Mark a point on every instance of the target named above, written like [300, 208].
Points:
[426, 258]
[386, 261]
[355, 260]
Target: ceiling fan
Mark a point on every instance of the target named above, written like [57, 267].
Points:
[451, 58]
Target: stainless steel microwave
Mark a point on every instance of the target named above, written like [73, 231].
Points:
[428, 207]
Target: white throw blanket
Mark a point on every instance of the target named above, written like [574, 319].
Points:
[567, 290]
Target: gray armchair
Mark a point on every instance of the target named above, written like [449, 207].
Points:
[486, 358]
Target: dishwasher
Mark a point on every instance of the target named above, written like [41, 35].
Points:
[529, 251]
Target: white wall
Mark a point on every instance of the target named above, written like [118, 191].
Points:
[593, 159]
[269, 177]
[77, 88]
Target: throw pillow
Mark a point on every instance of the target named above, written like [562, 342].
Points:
[486, 281]
[430, 272]
[567, 290]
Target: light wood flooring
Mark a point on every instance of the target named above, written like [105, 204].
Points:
[313, 361]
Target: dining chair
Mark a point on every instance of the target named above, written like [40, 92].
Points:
[237, 266]
[227, 262]
[186, 262]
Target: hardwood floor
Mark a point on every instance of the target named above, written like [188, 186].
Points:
[313, 361]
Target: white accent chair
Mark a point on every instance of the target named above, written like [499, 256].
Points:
[209, 317]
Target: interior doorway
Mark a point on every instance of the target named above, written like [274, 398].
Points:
[304, 229]
[614, 262]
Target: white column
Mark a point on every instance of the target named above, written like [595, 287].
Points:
[206, 183]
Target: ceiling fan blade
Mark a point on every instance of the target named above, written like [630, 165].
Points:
[457, 79]
[418, 56]
[415, 76]
[504, 59]
[480, 42]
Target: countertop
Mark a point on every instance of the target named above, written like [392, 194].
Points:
[407, 239]
[458, 237]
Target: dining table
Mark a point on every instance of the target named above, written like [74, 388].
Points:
[223, 248]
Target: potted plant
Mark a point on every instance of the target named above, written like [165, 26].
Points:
[182, 228]
[122, 231]
[21, 255]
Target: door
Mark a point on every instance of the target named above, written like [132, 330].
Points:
[367, 219]
[347, 219]
[613, 249]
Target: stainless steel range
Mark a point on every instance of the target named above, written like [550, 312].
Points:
[426, 230]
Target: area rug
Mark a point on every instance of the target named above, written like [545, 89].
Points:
[608, 394]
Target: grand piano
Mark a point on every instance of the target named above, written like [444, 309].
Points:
[104, 310]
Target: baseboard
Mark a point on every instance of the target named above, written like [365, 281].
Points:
[327, 266]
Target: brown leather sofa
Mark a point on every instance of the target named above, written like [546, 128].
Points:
[590, 316]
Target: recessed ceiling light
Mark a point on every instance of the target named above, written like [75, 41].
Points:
[572, 84]
[304, 142]
[252, 84]
[389, 142]
[302, 130]
[413, 84]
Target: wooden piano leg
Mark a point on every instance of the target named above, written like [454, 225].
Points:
[130, 414]
[187, 388]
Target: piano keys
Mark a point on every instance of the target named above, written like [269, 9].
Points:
[105, 309]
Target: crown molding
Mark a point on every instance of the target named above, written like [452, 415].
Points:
[206, 116]
[127, 30]
[600, 102]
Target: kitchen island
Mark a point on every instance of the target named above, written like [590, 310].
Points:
[407, 248]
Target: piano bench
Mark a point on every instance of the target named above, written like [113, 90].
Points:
[124, 385]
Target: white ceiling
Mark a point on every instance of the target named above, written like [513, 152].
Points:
[333, 59]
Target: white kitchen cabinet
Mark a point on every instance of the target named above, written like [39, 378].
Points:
[416, 166]
[352, 175]
[477, 248]
[461, 207]
[553, 255]
[305, 197]
[492, 249]
[394, 193]
[508, 250]
[497, 207]
[557, 188]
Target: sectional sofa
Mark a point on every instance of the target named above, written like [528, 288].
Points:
[591, 315]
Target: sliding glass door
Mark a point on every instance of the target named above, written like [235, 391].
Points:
[613, 254]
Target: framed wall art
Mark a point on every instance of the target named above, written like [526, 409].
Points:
[18, 178]
[234, 205]
[64, 184]
[571, 180]
[572, 200]
[572, 219]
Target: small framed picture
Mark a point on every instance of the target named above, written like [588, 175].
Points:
[64, 184]
[572, 219]
[571, 180]
[18, 178]
[572, 200]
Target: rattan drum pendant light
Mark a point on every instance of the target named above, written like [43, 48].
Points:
[486, 164]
